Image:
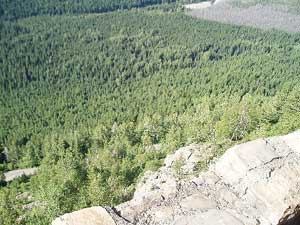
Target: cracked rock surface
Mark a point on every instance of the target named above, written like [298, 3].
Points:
[256, 183]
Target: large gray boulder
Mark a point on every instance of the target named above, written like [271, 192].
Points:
[88, 216]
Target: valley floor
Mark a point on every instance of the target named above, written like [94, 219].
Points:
[261, 16]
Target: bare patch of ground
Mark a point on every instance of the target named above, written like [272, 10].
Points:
[265, 16]
[201, 5]
[11, 175]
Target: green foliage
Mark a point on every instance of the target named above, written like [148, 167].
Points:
[13, 203]
[15, 9]
[2, 179]
[8, 210]
[177, 167]
[60, 182]
[201, 166]
[238, 121]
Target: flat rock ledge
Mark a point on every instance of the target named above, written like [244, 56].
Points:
[256, 183]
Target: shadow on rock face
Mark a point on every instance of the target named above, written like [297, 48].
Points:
[291, 216]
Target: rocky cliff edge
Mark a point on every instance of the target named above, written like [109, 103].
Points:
[256, 183]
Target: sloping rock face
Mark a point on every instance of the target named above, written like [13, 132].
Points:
[256, 183]
[157, 187]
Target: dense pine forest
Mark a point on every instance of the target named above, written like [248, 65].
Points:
[85, 96]
[19, 9]
[15, 9]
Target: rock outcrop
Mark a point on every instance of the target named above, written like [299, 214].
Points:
[256, 183]
[11, 175]
[94, 215]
